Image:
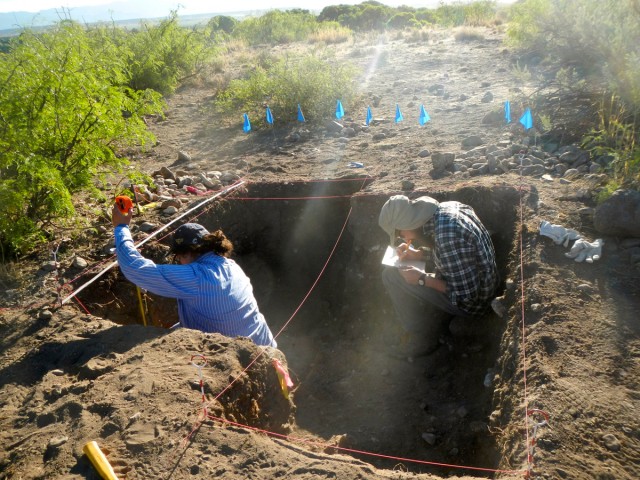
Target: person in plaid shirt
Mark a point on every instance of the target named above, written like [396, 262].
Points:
[460, 277]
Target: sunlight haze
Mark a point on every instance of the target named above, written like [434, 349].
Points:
[158, 8]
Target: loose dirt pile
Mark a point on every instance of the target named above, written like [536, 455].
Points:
[567, 345]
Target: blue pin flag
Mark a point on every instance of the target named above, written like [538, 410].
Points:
[369, 116]
[269, 116]
[339, 110]
[300, 115]
[527, 119]
[247, 124]
[399, 116]
[507, 111]
[424, 116]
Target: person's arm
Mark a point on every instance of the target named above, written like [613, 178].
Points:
[175, 281]
[412, 275]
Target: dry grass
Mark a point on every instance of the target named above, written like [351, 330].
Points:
[468, 34]
[331, 36]
[418, 35]
[10, 276]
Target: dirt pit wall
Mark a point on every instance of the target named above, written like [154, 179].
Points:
[313, 251]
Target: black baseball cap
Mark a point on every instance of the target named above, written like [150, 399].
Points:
[187, 235]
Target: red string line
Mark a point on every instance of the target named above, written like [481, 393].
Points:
[362, 452]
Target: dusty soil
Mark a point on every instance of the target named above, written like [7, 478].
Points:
[567, 348]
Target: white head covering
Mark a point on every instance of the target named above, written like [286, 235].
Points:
[400, 213]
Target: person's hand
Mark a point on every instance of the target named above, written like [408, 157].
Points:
[407, 252]
[583, 250]
[558, 233]
[410, 274]
[119, 218]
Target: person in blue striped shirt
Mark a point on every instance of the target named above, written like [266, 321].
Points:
[213, 292]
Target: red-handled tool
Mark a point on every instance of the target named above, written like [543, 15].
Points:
[124, 204]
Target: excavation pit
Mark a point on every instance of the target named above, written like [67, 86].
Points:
[313, 251]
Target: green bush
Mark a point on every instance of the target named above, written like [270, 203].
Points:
[162, 55]
[403, 20]
[459, 13]
[65, 108]
[312, 82]
[277, 27]
[590, 48]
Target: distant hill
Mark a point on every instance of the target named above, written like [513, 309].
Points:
[126, 15]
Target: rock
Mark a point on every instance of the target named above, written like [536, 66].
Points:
[487, 97]
[472, 141]
[49, 266]
[611, 442]
[184, 181]
[408, 185]
[571, 174]
[430, 438]
[146, 227]
[442, 161]
[533, 170]
[215, 185]
[504, 165]
[334, 126]
[79, 262]
[227, 178]
[424, 154]
[173, 202]
[167, 174]
[45, 314]
[496, 116]
[169, 211]
[619, 214]
[498, 306]
[462, 412]
[57, 442]
[183, 157]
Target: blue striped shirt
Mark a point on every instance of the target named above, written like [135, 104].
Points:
[214, 294]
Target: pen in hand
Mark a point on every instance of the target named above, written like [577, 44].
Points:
[403, 252]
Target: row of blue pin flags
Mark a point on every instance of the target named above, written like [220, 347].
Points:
[526, 120]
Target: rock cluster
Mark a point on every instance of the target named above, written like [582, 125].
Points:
[567, 162]
[173, 188]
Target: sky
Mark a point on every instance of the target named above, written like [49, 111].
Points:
[158, 8]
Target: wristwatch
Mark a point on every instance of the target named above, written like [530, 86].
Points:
[421, 279]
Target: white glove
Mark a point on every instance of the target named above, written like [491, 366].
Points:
[558, 233]
[583, 250]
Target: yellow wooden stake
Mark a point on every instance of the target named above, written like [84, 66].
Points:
[99, 461]
[144, 317]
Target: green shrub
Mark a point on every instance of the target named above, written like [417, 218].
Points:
[592, 48]
[331, 33]
[312, 82]
[161, 56]
[459, 13]
[276, 27]
[616, 138]
[65, 108]
[403, 20]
